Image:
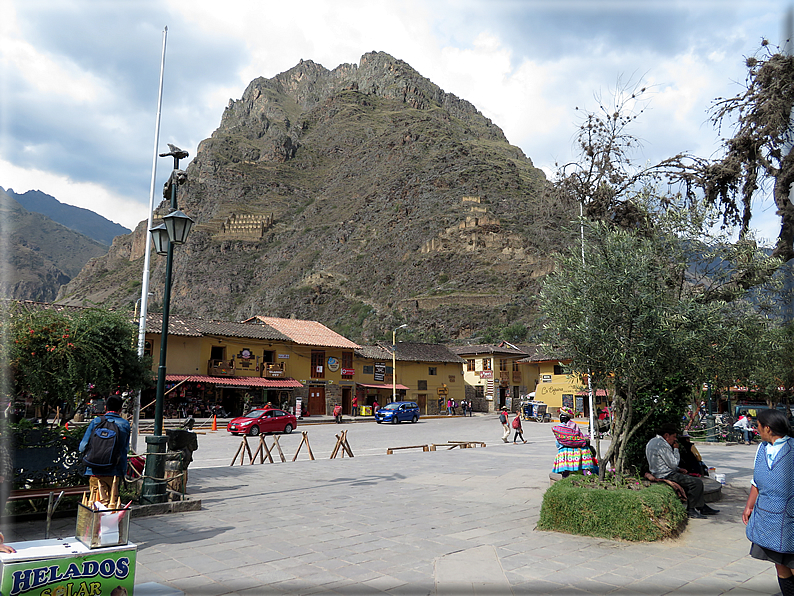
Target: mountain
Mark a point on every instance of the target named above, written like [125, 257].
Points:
[39, 255]
[76, 218]
[363, 197]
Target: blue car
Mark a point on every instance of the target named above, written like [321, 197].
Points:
[398, 411]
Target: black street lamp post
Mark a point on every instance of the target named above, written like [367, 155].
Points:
[173, 231]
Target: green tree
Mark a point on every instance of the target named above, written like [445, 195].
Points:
[60, 357]
[629, 314]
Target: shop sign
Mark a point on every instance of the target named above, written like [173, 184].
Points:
[380, 371]
[333, 364]
[81, 575]
[486, 374]
[283, 356]
[348, 372]
[545, 378]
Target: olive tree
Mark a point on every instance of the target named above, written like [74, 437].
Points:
[625, 309]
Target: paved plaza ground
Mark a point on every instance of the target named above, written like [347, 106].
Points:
[458, 522]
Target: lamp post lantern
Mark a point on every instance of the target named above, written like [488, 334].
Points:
[173, 231]
[394, 362]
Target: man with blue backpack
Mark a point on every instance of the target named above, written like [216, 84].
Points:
[104, 448]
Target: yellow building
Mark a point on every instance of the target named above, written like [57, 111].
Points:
[286, 362]
[492, 376]
[556, 386]
[428, 374]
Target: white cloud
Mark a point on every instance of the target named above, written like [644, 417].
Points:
[42, 72]
[120, 209]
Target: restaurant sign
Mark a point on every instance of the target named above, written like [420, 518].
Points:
[380, 371]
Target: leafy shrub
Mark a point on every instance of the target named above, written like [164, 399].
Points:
[631, 510]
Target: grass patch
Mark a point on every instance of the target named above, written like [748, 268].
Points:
[634, 510]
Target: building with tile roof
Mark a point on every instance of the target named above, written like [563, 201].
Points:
[428, 374]
[235, 365]
[556, 386]
[492, 376]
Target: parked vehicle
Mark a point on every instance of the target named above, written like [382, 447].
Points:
[263, 421]
[398, 411]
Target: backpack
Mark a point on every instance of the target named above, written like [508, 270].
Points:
[516, 422]
[103, 451]
[503, 418]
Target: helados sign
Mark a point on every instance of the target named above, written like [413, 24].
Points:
[100, 574]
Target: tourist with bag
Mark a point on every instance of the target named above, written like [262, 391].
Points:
[104, 448]
[503, 419]
[517, 428]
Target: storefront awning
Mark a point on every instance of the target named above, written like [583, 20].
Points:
[598, 393]
[389, 387]
[237, 381]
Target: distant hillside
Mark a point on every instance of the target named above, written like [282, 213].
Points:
[362, 197]
[78, 219]
[38, 254]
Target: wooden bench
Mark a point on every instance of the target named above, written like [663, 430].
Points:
[460, 444]
[30, 494]
[391, 450]
[24, 494]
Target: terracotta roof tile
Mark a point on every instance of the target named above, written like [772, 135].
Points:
[307, 333]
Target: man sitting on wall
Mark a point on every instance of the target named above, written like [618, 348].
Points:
[663, 460]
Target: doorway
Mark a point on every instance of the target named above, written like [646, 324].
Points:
[316, 401]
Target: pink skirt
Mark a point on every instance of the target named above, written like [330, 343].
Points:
[575, 459]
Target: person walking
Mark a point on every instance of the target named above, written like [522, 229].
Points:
[768, 512]
[105, 445]
[503, 418]
[375, 407]
[517, 428]
[338, 413]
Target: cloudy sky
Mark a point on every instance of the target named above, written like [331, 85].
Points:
[79, 78]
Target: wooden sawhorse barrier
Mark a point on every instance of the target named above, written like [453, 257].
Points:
[263, 451]
[391, 450]
[341, 443]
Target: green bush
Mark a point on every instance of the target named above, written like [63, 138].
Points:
[634, 510]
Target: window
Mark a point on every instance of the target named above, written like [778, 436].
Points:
[421, 385]
[486, 364]
[479, 391]
[515, 365]
[347, 364]
[318, 358]
[432, 370]
[470, 365]
[502, 364]
[559, 369]
[368, 369]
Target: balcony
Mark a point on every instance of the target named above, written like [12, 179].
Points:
[220, 368]
[274, 371]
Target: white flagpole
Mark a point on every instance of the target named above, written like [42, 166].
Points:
[145, 281]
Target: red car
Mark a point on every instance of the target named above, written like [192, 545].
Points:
[263, 421]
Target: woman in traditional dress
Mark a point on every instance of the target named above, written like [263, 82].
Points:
[573, 452]
[769, 512]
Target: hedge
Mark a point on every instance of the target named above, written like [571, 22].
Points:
[638, 511]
